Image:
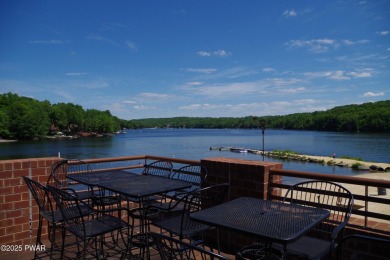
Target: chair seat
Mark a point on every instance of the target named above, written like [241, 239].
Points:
[56, 216]
[98, 226]
[173, 225]
[312, 247]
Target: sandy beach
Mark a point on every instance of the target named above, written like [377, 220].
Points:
[347, 162]
[341, 162]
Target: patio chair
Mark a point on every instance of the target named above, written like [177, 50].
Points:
[182, 225]
[62, 168]
[48, 212]
[363, 247]
[195, 174]
[331, 196]
[328, 195]
[92, 227]
[170, 248]
[158, 168]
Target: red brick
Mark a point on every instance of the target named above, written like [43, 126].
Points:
[14, 229]
[20, 189]
[11, 214]
[6, 174]
[17, 165]
[20, 173]
[6, 222]
[39, 171]
[8, 166]
[12, 197]
[22, 235]
[6, 206]
[5, 240]
[21, 204]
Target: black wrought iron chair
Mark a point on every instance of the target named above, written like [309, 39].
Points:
[93, 227]
[195, 174]
[324, 239]
[62, 168]
[363, 247]
[182, 225]
[158, 168]
[328, 195]
[170, 248]
[48, 212]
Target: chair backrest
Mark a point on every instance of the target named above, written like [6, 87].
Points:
[328, 195]
[196, 174]
[41, 197]
[363, 247]
[72, 208]
[201, 199]
[170, 248]
[61, 169]
[158, 168]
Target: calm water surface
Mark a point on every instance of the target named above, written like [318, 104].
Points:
[196, 143]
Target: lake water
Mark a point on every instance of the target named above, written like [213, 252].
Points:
[195, 144]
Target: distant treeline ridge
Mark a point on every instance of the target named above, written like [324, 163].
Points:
[27, 118]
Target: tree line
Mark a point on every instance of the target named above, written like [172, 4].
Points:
[27, 118]
[367, 117]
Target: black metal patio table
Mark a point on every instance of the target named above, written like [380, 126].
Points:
[272, 221]
[135, 187]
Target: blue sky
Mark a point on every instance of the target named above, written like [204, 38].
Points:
[143, 59]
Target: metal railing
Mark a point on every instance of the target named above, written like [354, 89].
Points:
[135, 163]
[367, 199]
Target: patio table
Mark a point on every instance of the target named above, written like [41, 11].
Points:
[272, 221]
[133, 186]
[136, 186]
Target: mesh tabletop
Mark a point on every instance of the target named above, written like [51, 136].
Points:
[102, 177]
[272, 220]
[130, 184]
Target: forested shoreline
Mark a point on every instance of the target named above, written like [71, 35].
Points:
[27, 118]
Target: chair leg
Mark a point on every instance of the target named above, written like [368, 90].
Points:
[39, 233]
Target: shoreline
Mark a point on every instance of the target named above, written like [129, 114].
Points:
[326, 160]
[7, 141]
[341, 162]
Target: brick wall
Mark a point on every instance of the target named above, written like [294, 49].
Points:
[247, 178]
[15, 199]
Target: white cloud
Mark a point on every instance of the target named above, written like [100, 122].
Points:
[129, 102]
[131, 45]
[141, 107]
[322, 45]
[235, 89]
[204, 53]
[154, 95]
[204, 70]
[96, 37]
[364, 74]
[194, 83]
[222, 53]
[290, 13]
[268, 70]
[373, 94]
[340, 74]
[291, 90]
[218, 53]
[383, 33]
[316, 45]
[75, 74]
